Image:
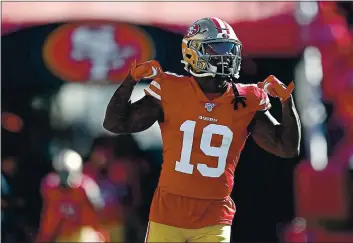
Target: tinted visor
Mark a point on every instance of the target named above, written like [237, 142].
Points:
[222, 48]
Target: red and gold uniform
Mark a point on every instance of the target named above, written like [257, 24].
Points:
[68, 215]
[202, 142]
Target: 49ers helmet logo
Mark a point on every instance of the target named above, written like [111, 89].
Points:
[96, 52]
[193, 30]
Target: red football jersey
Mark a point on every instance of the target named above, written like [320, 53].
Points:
[202, 141]
[66, 211]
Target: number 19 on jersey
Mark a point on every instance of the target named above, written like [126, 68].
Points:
[188, 128]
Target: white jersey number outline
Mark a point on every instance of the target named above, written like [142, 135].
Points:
[184, 166]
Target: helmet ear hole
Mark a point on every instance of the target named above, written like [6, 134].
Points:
[188, 56]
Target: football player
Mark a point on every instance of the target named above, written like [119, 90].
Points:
[71, 202]
[205, 120]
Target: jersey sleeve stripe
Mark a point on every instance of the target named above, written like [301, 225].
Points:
[152, 93]
[155, 84]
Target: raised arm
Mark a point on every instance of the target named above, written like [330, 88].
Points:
[281, 139]
[122, 116]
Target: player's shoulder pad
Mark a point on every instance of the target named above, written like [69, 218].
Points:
[156, 87]
[256, 98]
[50, 181]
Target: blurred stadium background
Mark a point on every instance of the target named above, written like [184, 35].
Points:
[62, 61]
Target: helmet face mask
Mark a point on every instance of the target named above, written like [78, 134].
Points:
[221, 58]
[207, 51]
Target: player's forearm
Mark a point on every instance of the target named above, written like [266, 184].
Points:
[290, 129]
[118, 108]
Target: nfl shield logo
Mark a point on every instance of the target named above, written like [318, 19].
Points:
[209, 106]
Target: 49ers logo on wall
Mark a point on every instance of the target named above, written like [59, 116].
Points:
[96, 52]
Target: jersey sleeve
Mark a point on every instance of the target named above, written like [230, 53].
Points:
[155, 88]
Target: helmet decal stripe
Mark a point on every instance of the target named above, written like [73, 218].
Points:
[217, 24]
[226, 25]
[220, 25]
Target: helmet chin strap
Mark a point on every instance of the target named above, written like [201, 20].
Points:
[200, 75]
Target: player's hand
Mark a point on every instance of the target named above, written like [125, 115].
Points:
[145, 70]
[276, 88]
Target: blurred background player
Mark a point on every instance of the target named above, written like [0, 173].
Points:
[71, 203]
[99, 168]
[114, 166]
[205, 120]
